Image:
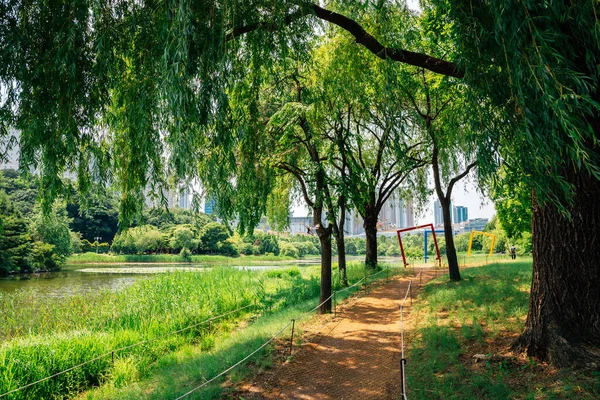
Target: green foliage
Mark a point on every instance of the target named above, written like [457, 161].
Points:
[289, 250]
[266, 242]
[53, 229]
[94, 216]
[42, 257]
[76, 242]
[542, 81]
[14, 238]
[22, 190]
[211, 236]
[138, 240]
[186, 254]
[513, 208]
[183, 237]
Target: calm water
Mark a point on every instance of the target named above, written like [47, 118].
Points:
[70, 280]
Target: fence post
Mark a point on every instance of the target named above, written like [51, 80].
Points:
[292, 337]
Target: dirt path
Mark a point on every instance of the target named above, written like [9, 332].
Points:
[354, 356]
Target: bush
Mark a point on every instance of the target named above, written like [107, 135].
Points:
[211, 236]
[76, 245]
[269, 244]
[228, 248]
[186, 254]
[393, 250]
[289, 250]
[246, 249]
[351, 249]
[301, 247]
[42, 257]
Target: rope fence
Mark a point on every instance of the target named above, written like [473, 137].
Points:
[333, 296]
[403, 358]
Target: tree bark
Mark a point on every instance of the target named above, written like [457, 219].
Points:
[341, 248]
[370, 225]
[563, 323]
[453, 270]
[325, 240]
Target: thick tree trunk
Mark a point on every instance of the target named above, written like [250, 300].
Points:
[563, 323]
[370, 225]
[325, 239]
[450, 249]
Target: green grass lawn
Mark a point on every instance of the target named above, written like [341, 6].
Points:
[482, 314]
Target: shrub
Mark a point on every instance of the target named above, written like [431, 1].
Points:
[289, 250]
[351, 249]
[42, 257]
[269, 244]
[211, 236]
[393, 250]
[228, 248]
[186, 254]
[246, 249]
[302, 248]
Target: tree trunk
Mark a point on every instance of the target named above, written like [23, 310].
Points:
[450, 249]
[563, 323]
[370, 225]
[325, 239]
[341, 248]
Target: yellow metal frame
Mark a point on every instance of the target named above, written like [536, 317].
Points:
[485, 234]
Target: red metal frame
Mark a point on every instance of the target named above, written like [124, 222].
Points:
[399, 231]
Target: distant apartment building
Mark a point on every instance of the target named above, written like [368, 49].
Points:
[395, 213]
[476, 224]
[459, 214]
[300, 225]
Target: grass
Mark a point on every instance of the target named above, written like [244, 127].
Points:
[482, 315]
[93, 258]
[41, 338]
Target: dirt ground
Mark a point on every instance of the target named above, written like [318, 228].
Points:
[355, 355]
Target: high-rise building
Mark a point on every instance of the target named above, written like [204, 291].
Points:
[460, 214]
[184, 199]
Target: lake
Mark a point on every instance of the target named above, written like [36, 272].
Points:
[82, 279]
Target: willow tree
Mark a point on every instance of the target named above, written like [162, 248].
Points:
[539, 63]
[142, 87]
[376, 147]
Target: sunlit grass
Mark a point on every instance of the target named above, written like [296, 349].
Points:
[42, 337]
[481, 314]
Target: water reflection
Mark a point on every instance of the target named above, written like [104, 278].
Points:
[79, 279]
[67, 283]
